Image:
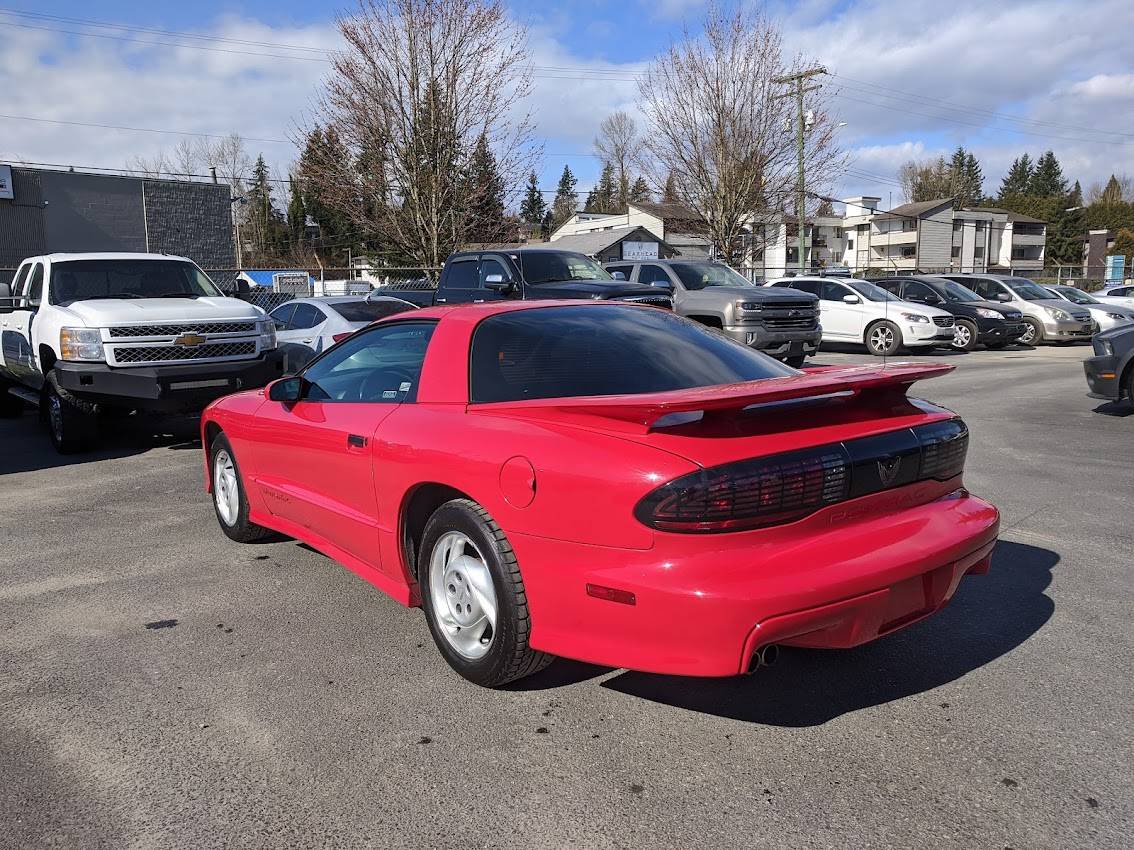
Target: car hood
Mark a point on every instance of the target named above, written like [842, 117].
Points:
[103, 311]
[1108, 308]
[1076, 311]
[766, 294]
[1002, 307]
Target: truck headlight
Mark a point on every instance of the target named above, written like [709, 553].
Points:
[915, 317]
[1057, 314]
[749, 305]
[985, 313]
[81, 344]
[267, 329]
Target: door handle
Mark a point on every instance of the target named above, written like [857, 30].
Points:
[356, 441]
[440, 300]
[478, 301]
[309, 340]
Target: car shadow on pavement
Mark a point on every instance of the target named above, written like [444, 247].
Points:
[27, 446]
[989, 616]
[905, 353]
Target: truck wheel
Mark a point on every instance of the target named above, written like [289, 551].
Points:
[883, 338]
[473, 597]
[71, 422]
[796, 361]
[965, 335]
[10, 406]
[229, 500]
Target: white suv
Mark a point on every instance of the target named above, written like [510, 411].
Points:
[857, 311]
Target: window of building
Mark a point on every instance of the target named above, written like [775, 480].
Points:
[956, 251]
[978, 251]
[850, 243]
[980, 227]
[909, 251]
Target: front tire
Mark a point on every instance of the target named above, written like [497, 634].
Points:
[795, 362]
[473, 597]
[71, 422]
[883, 339]
[965, 335]
[1033, 333]
[229, 499]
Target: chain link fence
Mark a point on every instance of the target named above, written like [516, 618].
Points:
[268, 288]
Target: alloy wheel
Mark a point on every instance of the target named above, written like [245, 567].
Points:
[1029, 336]
[226, 488]
[962, 338]
[881, 338]
[463, 595]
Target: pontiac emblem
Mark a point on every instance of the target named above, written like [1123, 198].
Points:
[888, 470]
[189, 339]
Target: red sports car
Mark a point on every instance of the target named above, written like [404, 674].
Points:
[607, 482]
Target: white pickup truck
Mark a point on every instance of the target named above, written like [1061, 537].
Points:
[83, 334]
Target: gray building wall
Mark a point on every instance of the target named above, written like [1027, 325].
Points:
[935, 239]
[71, 211]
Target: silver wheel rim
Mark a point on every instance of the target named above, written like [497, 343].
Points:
[961, 336]
[226, 489]
[1029, 333]
[55, 416]
[881, 338]
[463, 595]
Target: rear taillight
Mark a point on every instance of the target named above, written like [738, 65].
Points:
[340, 337]
[784, 488]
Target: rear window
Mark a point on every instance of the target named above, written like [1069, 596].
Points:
[559, 352]
[369, 311]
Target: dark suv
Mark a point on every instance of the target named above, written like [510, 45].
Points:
[978, 321]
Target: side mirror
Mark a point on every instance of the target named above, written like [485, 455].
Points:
[1003, 296]
[286, 390]
[618, 275]
[497, 283]
[851, 299]
[662, 284]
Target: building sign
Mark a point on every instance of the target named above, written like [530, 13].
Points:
[639, 250]
[1115, 268]
[297, 283]
[6, 189]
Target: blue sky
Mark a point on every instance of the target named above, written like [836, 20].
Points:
[913, 78]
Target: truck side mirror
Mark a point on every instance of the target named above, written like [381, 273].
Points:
[618, 275]
[662, 284]
[286, 390]
[497, 283]
[1003, 296]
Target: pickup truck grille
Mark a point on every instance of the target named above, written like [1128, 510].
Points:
[791, 323]
[167, 353]
[944, 321]
[174, 330]
[783, 304]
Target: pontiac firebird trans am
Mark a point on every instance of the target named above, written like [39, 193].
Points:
[607, 482]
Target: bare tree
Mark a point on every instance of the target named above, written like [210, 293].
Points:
[149, 166]
[419, 82]
[721, 128]
[617, 144]
[926, 181]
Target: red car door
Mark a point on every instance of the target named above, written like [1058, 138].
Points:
[314, 458]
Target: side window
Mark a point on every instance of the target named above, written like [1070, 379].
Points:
[35, 286]
[306, 316]
[462, 275]
[833, 291]
[916, 291]
[282, 315]
[652, 274]
[492, 266]
[18, 283]
[809, 286]
[380, 365]
[626, 270]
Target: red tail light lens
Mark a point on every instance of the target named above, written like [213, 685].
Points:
[783, 488]
[340, 337]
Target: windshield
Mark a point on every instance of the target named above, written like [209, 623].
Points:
[955, 292]
[558, 267]
[700, 275]
[1075, 296]
[869, 291]
[1028, 290]
[558, 352]
[83, 280]
[369, 311]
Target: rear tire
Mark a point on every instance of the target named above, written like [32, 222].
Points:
[1033, 333]
[229, 499]
[71, 422]
[795, 362]
[965, 335]
[883, 339]
[466, 560]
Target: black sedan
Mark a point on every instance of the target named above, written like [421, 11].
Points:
[978, 321]
[1110, 373]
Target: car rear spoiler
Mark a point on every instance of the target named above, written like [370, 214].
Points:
[642, 413]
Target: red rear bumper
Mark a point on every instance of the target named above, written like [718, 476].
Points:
[705, 603]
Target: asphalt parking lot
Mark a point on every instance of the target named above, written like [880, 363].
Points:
[162, 686]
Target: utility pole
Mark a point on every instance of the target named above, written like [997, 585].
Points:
[799, 82]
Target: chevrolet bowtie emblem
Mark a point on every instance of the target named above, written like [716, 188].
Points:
[189, 339]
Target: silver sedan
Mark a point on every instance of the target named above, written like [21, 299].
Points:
[1107, 316]
[306, 327]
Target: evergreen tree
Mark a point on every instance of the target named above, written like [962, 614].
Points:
[296, 214]
[1075, 197]
[1047, 180]
[602, 198]
[1124, 245]
[1065, 230]
[324, 146]
[265, 223]
[640, 192]
[1017, 179]
[533, 207]
[566, 202]
[1112, 192]
[669, 193]
[546, 226]
[966, 183]
[484, 197]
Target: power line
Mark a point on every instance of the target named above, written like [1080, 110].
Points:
[138, 129]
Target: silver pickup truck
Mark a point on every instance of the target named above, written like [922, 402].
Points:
[783, 323]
